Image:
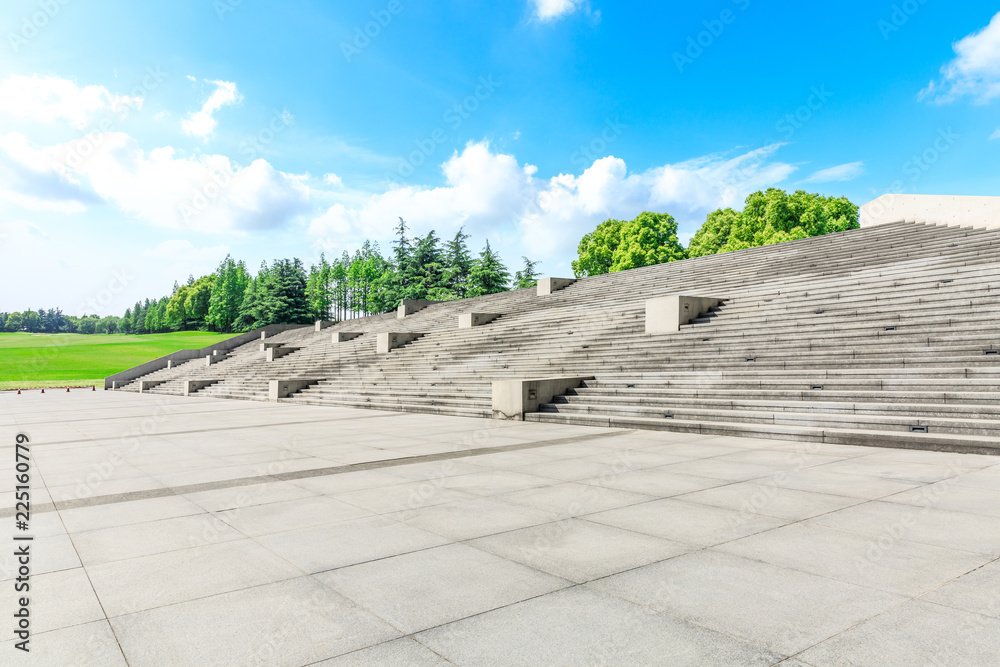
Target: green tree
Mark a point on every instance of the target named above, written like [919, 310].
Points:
[251, 307]
[198, 301]
[428, 269]
[107, 325]
[596, 249]
[714, 233]
[527, 276]
[13, 322]
[649, 239]
[283, 293]
[139, 317]
[318, 290]
[402, 252]
[459, 264]
[176, 313]
[31, 321]
[231, 279]
[488, 274]
[773, 216]
[384, 291]
[339, 285]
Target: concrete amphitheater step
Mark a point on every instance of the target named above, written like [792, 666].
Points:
[935, 442]
[854, 336]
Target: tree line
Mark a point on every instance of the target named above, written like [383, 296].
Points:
[770, 216]
[232, 299]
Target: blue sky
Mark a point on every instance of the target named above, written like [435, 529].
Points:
[141, 142]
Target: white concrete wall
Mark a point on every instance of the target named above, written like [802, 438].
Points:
[666, 314]
[938, 209]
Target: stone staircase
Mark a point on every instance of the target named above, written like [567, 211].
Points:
[882, 336]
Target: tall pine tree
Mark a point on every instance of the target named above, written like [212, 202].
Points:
[488, 274]
[459, 261]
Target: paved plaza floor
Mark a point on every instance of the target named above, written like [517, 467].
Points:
[193, 531]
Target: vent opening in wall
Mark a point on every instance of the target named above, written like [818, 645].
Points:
[751, 358]
[918, 429]
[890, 328]
[817, 386]
[989, 352]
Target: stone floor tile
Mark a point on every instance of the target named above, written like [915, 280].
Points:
[427, 588]
[690, 523]
[289, 623]
[583, 627]
[579, 550]
[777, 608]
[334, 545]
[147, 582]
[893, 565]
[916, 633]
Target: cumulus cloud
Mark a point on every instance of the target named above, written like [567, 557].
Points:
[51, 98]
[843, 172]
[205, 192]
[549, 10]
[201, 123]
[31, 179]
[975, 71]
[493, 195]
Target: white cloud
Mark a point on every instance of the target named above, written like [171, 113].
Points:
[843, 172]
[549, 10]
[205, 192]
[975, 71]
[201, 123]
[995, 135]
[492, 195]
[184, 250]
[51, 98]
[333, 179]
[32, 180]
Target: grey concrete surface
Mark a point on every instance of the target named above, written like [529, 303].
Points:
[173, 531]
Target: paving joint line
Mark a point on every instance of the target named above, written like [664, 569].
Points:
[303, 474]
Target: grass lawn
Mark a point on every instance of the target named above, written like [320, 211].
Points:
[57, 360]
